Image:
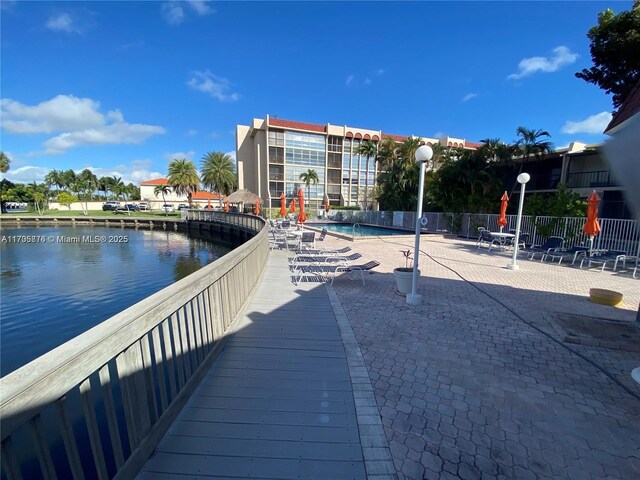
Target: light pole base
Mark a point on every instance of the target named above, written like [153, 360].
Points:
[513, 266]
[414, 299]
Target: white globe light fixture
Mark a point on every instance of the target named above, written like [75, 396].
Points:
[523, 178]
[424, 153]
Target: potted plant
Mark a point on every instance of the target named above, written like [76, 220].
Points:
[404, 275]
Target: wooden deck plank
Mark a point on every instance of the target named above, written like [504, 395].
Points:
[233, 447]
[266, 432]
[277, 402]
[249, 467]
[273, 405]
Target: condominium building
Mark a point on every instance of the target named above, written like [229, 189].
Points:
[271, 154]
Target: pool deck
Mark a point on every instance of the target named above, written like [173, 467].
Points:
[480, 381]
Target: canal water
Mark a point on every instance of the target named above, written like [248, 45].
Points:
[58, 282]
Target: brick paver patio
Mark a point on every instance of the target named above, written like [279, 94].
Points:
[478, 383]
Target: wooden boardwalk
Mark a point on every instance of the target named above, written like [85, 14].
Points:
[277, 402]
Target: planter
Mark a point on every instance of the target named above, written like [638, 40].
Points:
[605, 297]
[404, 279]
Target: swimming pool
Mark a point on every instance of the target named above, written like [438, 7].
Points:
[359, 230]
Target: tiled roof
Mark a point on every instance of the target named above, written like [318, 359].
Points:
[472, 145]
[202, 195]
[155, 181]
[397, 138]
[628, 109]
[313, 127]
[278, 122]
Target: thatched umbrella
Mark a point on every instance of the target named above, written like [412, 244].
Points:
[243, 196]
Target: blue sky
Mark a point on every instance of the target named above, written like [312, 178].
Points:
[123, 87]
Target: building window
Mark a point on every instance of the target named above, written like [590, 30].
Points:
[275, 189]
[333, 176]
[347, 145]
[276, 155]
[305, 140]
[311, 158]
[276, 173]
[334, 160]
[346, 161]
[276, 137]
[335, 144]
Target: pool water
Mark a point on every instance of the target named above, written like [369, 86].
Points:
[360, 230]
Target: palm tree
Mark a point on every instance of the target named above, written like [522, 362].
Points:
[309, 177]
[68, 179]
[86, 183]
[440, 155]
[162, 189]
[217, 173]
[407, 149]
[367, 150]
[117, 186]
[183, 178]
[531, 143]
[5, 163]
[53, 178]
[387, 153]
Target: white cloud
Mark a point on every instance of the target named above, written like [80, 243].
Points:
[114, 134]
[469, 96]
[180, 155]
[217, 87]
[175, 14]
[528, 66]
[191, 132]
[593, 124]
[350, 80]
[367, 81]
[62, 22]
[135, 172]
[64, 112]
[27, 174]
[379, 72]
[78, 119]
[201, 7]
[438, 135]
[214, 134]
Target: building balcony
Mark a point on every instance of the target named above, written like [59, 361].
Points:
[601, 178]
[544, 182]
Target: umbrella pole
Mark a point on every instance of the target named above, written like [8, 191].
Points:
[591, 246]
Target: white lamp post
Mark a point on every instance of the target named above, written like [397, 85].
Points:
[523, 178]
[423, 155]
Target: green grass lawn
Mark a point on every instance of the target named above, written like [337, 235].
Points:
[95, 213]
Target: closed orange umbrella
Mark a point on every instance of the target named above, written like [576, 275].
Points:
[301, 216]
[326, 203]
[592, 225]
[283, 205]
[292, 206]
[502, 219]
[226, 206]
[256, 207]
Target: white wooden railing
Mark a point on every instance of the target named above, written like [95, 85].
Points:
[96, 406]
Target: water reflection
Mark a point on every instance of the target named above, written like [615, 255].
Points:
[55, 290]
